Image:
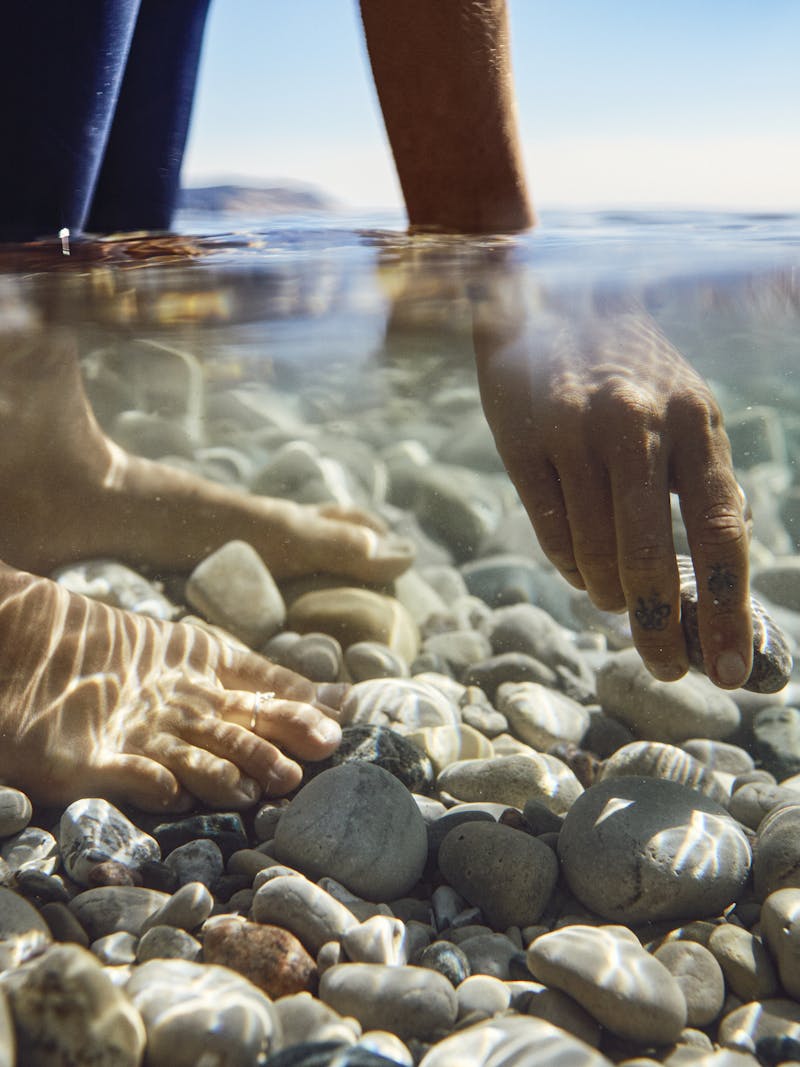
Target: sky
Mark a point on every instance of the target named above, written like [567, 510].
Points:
[639, 103]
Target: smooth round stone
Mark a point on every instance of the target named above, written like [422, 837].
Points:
[508, 667]
[67, 1011]
[15, 811]
[747, 966]
[455, 506]
[411, 1002]
[115, 950]
[643, 849]
[117, 585]
[31, 849]
[776, 740]
[780, 930]
[315, 656]
[372, 659]
[533, 998]
[107, 909]
[328, 1054]
[458, 648]
[448, 744]
[509, 875]
[225, 829]
[303, 908]
[91, 831]
[446, 958]
[409, 701]
[193, 1011]
[196, 861]
[396, 753]
[761, 1023]
[654, 759]
[699, 976]
[303, 1017]
[671, 712]
[513, 780]
[41, 887]
[380, 939]
[513, 1041]
[23, 932]
[776, 854]
[351, 614]
[109, 872]
[359, 825]
[441, 827]
[719, 755]
[186, 909]
[63, 924]
[167, 942]
[529, 629]
[485, 720]
[503, 580]
[233, 588]
[610, 975]
[541, 717]
[755, 800]
[488, 953]
[484, 994]
[271, 958]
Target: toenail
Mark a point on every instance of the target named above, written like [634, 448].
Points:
[730, 668]
[328, 732]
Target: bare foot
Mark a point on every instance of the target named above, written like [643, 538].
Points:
[101, 702]
[71, 493]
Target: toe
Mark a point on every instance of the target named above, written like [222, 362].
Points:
[140, 781]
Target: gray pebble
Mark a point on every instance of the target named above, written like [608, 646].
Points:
[488, 953]
[316, 656]
[167, 942]
[186, 909]
[513, 780]
[513, 1041]
[301, 907]
[539, 716]
[15, 811]
[63, 924]
[107, 909]
[371, 659]
[699, 976]
[747, 966]
[196, 861]
[446, 958]
[653, 759]
[23, 931]
[115, 950]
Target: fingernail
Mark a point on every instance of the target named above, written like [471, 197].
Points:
[730, 669]
[328, 732]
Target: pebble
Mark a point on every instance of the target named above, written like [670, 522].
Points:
[776, 853]
[446, 958]
[351, 615]
[556, 1007]
[747, 966]
[304, 1018]
[509, 875]
[167, 942]
[113, 583]
[225, 829]
[107, 909]
[31, 849]
[303, 908]
[63, 924]
[15, 811]
[755, 800]
[23, 932]
[68, 1012]
[763, 1025]
[671, 712]
[610, 975]
[485, 720]
[488, 953]
[41, 887]
[780, 930]
[380, 939]
[459, 649]
[411, 1002]
[186, 909]
[372, 659]
[195, 1013]
[91, 831]
[643, 849]
[776, 740]
[115, 950]
[447, 744]
[196, 861]
[654, 759]
[454, 505]
[513, 1041]
[271, 958]
[315, 656]
[539, 716]
[484, 994]
[410, 701]
[232, 588]
[699, 976]
[719, 755]
[526, 628]
[400, 755]
[368, 808]
[513, 780]
[330, 1054]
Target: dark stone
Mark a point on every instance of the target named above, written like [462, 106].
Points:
[518, 968]
[63, 924]
[225, 829]
[491, 673]
[157, 875]
[500, 580]
[41, 888]
[228, 884]
[110, 872]
[369, 743]
[776, 741]
[777, 1048]
[540, 819]
[446, 958]
[326, 1054]
[583, 764]
[441, 827]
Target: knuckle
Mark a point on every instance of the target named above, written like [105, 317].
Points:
[695, 407]
[723, 525]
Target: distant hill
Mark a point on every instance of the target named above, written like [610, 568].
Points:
[255, 200]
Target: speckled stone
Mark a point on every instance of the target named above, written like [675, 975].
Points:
[401, 756]
[509, 875]
[446, 958]
[351, 614]
[271, 958]
[225, 829]
[359, 825]
[234, 589]
[68, 1012]
[108, 909]
[609, 973]
[196, 861]
[642, 849]
[513, 780]
[91, 831]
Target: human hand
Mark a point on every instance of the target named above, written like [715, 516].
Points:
[597, 419]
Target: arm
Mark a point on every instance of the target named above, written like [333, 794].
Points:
[442, 71]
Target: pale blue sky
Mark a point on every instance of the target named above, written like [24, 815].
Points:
[638, 102]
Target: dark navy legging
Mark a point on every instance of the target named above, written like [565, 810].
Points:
[97, 97]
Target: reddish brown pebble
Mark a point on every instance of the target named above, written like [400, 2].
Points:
[109, 872]
[270, 957]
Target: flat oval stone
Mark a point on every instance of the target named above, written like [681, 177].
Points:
[91, 831]
[699, 976]
[359, 825]
[305, 909]
[167, 942]
[653, 759]
[539, 716]
[193, 1010]
[642, 849]
[610, 975]
[23, 932]
[372, 659]
[15, 811]
[409, 701]
[351, 614]
[772, 660]
[747, 966]
[513, 1041]
[513, 780]
[271, 958]
[509, 875]
[196, 861]
[67, 1011]
[398, 754]
[107, 909]
[411, 1002]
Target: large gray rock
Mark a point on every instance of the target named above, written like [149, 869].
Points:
[355, 823]
[642, 849]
